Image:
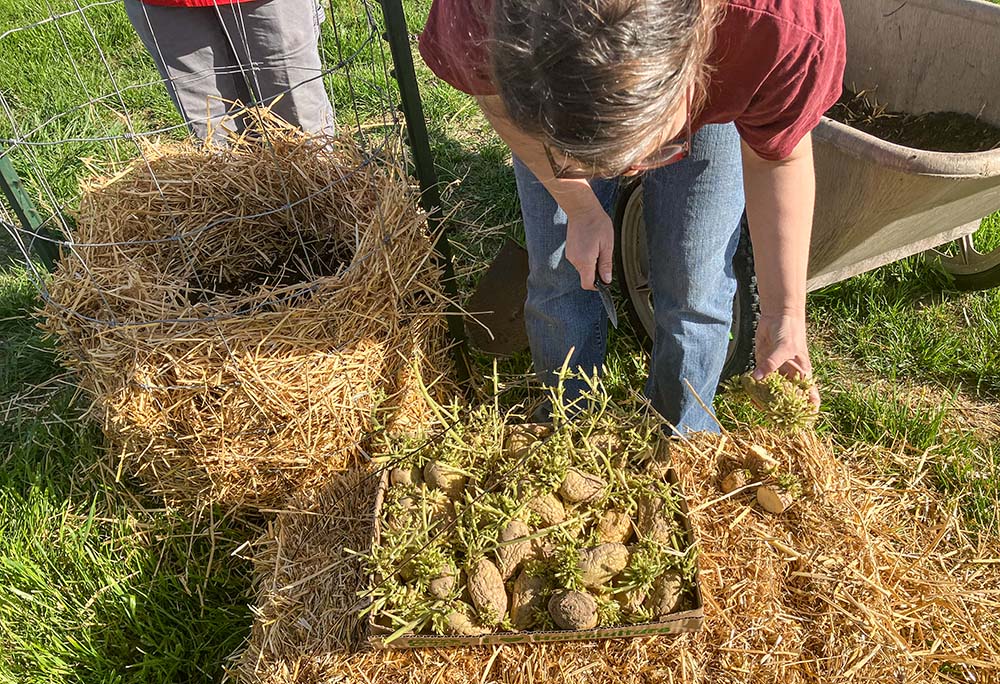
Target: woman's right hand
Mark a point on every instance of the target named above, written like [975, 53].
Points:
[590, 244]
[590, 237]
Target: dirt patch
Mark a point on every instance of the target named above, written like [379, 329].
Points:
[933, 131]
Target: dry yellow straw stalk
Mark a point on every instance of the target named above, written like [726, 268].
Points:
[866, 580]
[243, 317]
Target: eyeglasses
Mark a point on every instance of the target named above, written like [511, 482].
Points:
[669, 153]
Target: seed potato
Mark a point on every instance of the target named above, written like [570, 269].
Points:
[517, 549]
[573, 609]
[600, 564]
[487, 592]
[549, 509]
[521, 438]
[666, 596]
[442, 476]
[581, 487]
[527, 598]
[774, 498]
[654, 520]
[737, 479]
[460, 623]
[406, 475]
[444, 585]
[614, 526]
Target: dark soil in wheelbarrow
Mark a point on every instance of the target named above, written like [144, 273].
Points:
[933, 131]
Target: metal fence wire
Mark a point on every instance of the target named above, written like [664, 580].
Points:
[78, 90]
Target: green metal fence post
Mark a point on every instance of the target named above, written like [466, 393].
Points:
[397, 35]
[26, 213]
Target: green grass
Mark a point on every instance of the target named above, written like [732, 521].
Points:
[903, 321]
[96, 583]
[99, 585]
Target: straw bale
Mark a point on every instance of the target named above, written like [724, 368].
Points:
[867, 578]
[244, 317]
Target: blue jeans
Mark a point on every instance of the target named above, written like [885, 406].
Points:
[692, 213]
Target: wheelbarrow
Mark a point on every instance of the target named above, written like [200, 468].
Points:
[876, 201]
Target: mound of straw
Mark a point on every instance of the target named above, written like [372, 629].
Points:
[867, 578]
[245, 317]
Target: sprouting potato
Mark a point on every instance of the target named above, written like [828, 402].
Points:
[511, 555]
[400, 516]
[444, 585]
[606, 443]
[573, 609]
[442, 512]
[549, 509]
[460, 622]
[527, 598]
[655, 521]
[535, 544]
[599, 565]
[614, 526]
[487, 592]
[631, 601]
[444, 477]
[657, 462]
[406, 475]
[666, 596]
[581, 487]
[521, 438]
[784, 400]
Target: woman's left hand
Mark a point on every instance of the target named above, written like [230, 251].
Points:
[781, 346]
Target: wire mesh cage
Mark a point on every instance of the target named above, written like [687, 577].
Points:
[80, 88]
[243, 278]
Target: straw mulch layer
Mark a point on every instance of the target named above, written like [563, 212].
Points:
[244, 317]
[867, 578]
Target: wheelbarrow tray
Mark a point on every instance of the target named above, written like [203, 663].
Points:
[877, 202]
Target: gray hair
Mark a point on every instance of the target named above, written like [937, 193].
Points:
[599, 79]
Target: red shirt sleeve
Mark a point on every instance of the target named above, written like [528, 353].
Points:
[454, 44]
[802, 78]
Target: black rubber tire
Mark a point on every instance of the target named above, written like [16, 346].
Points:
[746, 309]
[985, 280]
[982, 280]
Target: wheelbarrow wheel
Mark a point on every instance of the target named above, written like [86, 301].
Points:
[632, 264]
[974, 260]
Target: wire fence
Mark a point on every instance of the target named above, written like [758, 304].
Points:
[80, 91]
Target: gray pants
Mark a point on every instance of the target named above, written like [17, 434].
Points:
[250, 52]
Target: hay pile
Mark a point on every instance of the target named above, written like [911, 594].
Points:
[244, 317]
[865, 579]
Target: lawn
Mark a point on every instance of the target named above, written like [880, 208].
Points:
[99, 583]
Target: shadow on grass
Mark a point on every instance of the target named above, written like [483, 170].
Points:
[97, 584]
[479, 199]
[905, 320]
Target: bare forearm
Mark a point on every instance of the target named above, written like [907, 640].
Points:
[590, 236]
[574, 196]
[780, 197]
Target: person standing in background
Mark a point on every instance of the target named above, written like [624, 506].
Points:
[214, 53]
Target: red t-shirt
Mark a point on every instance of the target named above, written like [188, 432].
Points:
[777, 65]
